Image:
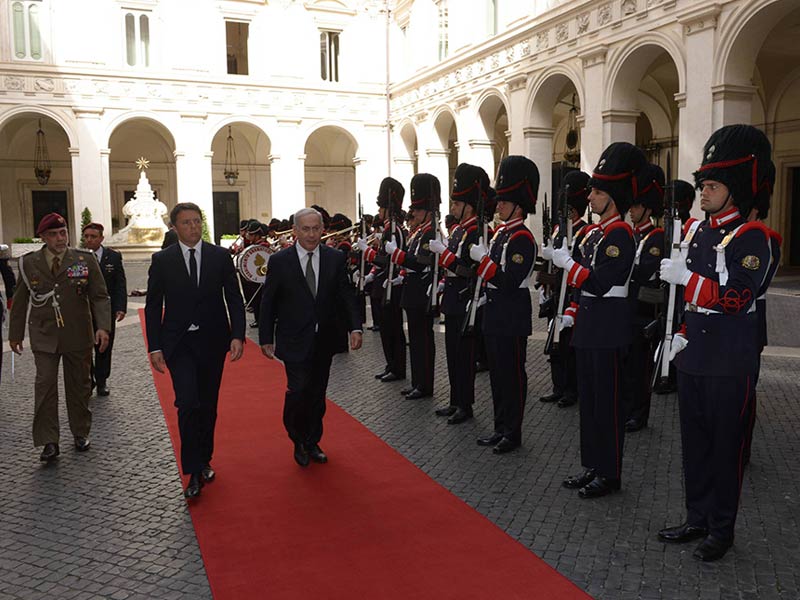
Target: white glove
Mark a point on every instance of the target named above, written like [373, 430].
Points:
[478, 251]
[437, 246]
[481, 300]
[440, 287]
[543, 297]
[567, 321]
[398, 280]
[675, 271]
[547, 252]
[390, 246]
[369, 278]
[362, 244]
[561, 257]
[679, 343]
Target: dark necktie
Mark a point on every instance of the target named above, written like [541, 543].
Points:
[310, 278]
[192, 267]
[55, 266]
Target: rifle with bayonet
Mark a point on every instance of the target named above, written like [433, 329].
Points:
[387, 298]
[363, 264]
[433, 292]
[565, 229]
[472, 308]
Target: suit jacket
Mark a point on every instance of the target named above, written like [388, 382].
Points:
[293, 319]
[170, 289]
[116, 283]
[81, 294]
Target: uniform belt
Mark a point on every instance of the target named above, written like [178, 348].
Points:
[693, 308]
[617, 291]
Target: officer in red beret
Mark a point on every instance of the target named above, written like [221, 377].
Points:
[70, 313]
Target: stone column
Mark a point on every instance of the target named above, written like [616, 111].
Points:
[287, 170]
[619, 126]
[732, 104]
[518, 117]
[481, 154]
[403, 170]
[695, 104]
[437, 162]
[90, 176]
[193, 165]
[539, 148]
[591, 120]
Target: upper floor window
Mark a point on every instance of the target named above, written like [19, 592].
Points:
[236, 35]
[137, 38]
[443, 30]
[329, 55]
[26, 19]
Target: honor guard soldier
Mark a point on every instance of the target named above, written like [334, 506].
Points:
[241, 242]
[418, 284]
[386, 290]
[726, 266]
[506, 268]
[470, 188]
[563, 371]
[69, 315]
[110, 262]
[684, 193]
[602, 332]
[646, 298]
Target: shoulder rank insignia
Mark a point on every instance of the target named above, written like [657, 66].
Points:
[751, 262]
[655, 251]
[518, 259]
[612, 251]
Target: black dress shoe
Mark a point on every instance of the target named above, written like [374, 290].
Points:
[82, 444]
[711, 549]
[682, 533]
[575, 482]
[505, 445]
[207, 474]
[481, 367]
[382, 374]
[598, 487]
[567, 401]
[391, 377]
[554, 397]
[490, 440]
[632, 425]
[49, 453]
[459, 416]
[316, 454]
[445, 411]
[301, 455]
[407, 391]
[195, 485]
[417, 394]
[102, 389]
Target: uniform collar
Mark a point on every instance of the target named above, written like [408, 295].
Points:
[471, 221]
[725, 218]
[644, 227]
[512, 223]
[577, 222]
[606, 222]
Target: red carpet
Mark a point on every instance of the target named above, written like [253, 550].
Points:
[368, 525]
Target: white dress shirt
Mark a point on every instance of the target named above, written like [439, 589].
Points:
[185, 251]
[99, 254]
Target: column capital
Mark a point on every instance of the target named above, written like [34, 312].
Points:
[74, 152]
[105, 152]
[437, 152]
[461, 102]
[403, 160]
[680, 99]
[480, 144]
[616, 115]
[538, 132]
[194, 116]
[179, 154]
[273, 158]
[731, 91]
[359, 160]
[700, 19]
[88, 112]
[516, 83]
[289, 122]
[593, 56]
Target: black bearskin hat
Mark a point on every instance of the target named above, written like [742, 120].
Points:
[469, 183]
[576, 186]
[619, 173]
[651, 194]
[426, 192]
[391, 191]
[518, 182]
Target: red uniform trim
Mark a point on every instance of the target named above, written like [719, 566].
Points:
[447, 258]
[487, 268]
[688, 224]
[522, 233]
[398, 257]
[619, 225]
[754, 225]
[370, 254]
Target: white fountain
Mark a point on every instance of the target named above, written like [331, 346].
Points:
[146, 228]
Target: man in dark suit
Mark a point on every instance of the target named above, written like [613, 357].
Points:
[307, 305]
[193, 281]
[110, 262]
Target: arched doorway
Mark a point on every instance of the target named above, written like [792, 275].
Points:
[24, 199]
[761, 61]
[247, 195]
[330, 176]
[131, 139]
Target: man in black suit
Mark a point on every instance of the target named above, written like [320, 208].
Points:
[110, 262]
[307, 307]
[193, 281]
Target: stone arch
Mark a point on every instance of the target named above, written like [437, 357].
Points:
[545, 91]
[445, 131]
[494, 116]
[159, 123]
[67, 124]
[330, 176]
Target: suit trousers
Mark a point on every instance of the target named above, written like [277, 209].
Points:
[563, 372]
[460, 351]
[78, 388]
[422, 349]
[304, 405]
[715, 414]
[509, 382]
[602, 416]
[101, 368]
[196, 375]
[393, 337]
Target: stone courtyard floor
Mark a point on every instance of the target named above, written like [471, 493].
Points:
[112, 523]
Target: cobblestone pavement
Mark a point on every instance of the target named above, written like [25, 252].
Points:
[112, 523]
